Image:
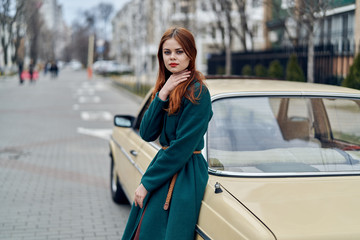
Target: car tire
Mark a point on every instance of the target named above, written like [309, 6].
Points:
[117, 193]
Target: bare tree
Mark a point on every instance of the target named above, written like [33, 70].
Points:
[47, 40]
[9, 13]
[19, 38]
[222, 10]
[88, 24]
[80, 43]
[244, 31]
[230, 14]
[34, 23]
[80, 36]
[308, 14]
[279, 18]
[104, 11]
[82, 28]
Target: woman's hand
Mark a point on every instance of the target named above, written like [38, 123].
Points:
[140, 194]
[174, 80]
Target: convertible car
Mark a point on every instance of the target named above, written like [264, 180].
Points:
[284, 161]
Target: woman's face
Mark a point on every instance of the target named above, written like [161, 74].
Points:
[175, 58]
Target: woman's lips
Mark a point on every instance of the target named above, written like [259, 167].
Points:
[173, 64]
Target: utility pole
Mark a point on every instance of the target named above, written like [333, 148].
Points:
[90, 55]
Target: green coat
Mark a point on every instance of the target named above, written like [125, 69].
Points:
[184, 133]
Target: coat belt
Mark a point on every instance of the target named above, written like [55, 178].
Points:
[172, 184]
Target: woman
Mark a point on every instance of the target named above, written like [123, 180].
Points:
[179, 116]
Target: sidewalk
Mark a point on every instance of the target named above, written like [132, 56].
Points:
[55, 180]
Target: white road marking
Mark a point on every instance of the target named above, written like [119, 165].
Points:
[97, 86]
[76, 107]
[100, 133]
[96, 115]
[86, 95]
[83, 91]
[93, 99]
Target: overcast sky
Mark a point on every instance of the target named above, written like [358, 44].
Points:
[72, 8]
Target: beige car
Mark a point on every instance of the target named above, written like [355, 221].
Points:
[284, 161]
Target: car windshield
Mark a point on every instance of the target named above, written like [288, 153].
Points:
[284, 135]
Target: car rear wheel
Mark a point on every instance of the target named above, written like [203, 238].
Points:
[117, 192]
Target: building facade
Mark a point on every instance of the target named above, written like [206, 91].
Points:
[357, 27]
[59, 37]
[337, 28]
[139, 25]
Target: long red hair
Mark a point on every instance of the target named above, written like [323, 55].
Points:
[187, 42]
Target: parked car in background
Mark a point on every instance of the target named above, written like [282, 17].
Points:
[105, 67]
[75, 65]
[60, 64]
[284, 161]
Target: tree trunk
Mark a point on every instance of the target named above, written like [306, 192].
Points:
[244, 28]
[310, 61]
[5, 55]
[228, 45]
[5, 50]
[228, 59]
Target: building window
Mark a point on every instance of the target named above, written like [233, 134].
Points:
[174, 7]
[213, 32]
[256, 3]
[184, 6]
[328, 30]
[203, 7]
[345, 26]
[255, 29]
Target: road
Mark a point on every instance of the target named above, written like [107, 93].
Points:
[54, 164]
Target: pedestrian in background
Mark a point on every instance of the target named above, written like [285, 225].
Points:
[54, 69]
[167, 201]
[46, 67]
[20, 71]
[31, 70]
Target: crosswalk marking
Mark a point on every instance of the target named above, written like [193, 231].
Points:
[92, 99]
[100, 133]
[96, 115]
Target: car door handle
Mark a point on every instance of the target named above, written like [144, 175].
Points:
[134, 153]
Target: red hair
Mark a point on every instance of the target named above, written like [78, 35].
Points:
[187, 42]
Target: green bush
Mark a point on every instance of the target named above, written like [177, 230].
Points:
[260, 70]
[352, 80]
[220, 70]
[294, 71]
[246, 70]
[276, 70]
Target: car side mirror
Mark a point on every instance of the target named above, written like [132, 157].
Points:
[124, 121]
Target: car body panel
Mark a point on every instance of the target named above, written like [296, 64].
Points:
[302, 208]
[123, 153]
[224, 86]
[252, 206]
[224, 217]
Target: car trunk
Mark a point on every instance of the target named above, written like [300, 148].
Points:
[302, 208]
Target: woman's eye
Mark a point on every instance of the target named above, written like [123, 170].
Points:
[166, 52]
[179, 52]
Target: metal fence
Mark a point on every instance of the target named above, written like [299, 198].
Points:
[331, 65]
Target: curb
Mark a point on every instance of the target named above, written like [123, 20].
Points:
[133, 96]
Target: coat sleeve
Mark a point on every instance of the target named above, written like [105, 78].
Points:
[152, 122]
[190, 131]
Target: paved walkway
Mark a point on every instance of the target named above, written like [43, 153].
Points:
[54, 164]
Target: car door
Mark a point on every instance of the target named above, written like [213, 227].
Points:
[143, 152]
[125, 156]
[136, 153]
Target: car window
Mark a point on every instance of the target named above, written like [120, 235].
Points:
[344, 117]
[141, 114]
[284, 134]
[140, 117]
